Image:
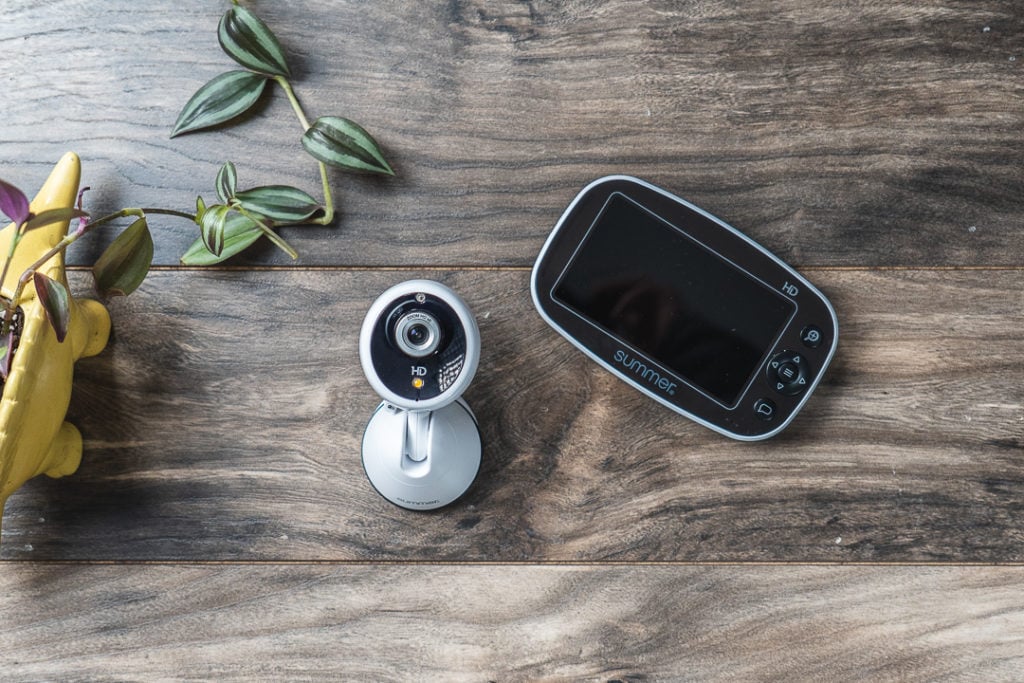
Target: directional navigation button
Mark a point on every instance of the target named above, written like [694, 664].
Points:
[788, 373]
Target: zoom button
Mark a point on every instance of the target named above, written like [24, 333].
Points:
[811, 336]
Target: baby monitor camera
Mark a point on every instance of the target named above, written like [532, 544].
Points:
[419, 347]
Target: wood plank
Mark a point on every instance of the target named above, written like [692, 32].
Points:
[224, 422]
[862, 133]
[398, 623]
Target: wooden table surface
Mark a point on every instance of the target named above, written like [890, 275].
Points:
[220, 526]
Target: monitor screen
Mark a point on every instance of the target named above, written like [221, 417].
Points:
[654, 287]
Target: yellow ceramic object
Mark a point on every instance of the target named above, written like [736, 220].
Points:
[34, 438]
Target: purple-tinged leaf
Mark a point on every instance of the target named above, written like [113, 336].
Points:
[13, 203]
[53, 216]
[84, 219]
[124, 265]
[56, 302]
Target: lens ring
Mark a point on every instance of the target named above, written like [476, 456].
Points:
[417, 334]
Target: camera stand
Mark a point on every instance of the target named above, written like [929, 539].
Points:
[422, 460]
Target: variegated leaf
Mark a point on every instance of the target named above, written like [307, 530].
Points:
[239, 233]
[211, 228]
[340, 142]
[279, 203]
[220, 100]
[227, 182]
[251, 43]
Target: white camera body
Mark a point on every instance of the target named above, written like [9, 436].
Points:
[419, 347]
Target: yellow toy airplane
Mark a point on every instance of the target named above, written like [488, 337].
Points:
[34, 438]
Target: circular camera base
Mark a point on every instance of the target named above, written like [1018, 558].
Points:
[422, 461]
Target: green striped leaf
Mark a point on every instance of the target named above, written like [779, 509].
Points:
[56, 303]
[220, 100]
[227, 181]
[279, 203]
[124, 265]
[343, 143]
[211, 228]
[251, 43]
[239, 233]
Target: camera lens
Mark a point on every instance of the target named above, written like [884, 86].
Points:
[417, 334]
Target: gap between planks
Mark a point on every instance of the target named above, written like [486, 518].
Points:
[578, 564]
[522, 269]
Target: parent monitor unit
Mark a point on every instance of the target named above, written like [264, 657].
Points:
[684, 308]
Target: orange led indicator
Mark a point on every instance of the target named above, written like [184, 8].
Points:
[417, 383]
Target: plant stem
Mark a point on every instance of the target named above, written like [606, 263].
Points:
[328, 199]
[294, 100]
[15, 238]
[170, 212]
[271, 235]
[67, 241]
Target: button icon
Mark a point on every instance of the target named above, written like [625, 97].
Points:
[811, 336]
[788, 372]
[765, 409]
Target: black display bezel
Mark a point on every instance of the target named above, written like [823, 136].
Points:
[739, 420]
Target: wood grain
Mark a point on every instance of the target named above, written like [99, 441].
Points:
[858, 133]
[398, 623]
[874, 144]
[225, 421]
